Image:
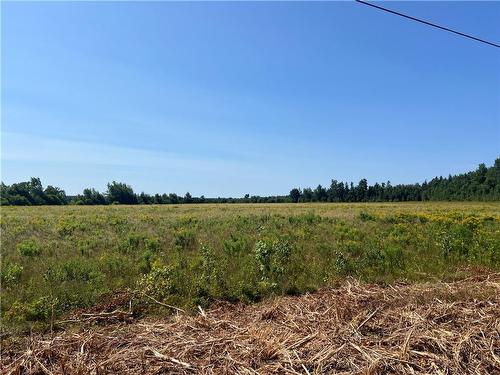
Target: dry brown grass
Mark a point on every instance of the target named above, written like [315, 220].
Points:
[439, 328]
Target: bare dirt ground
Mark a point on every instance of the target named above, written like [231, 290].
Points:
[432, 328]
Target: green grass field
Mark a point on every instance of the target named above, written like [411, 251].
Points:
[57, 259]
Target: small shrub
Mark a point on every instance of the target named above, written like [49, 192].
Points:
[116, 265]
[152, 244]
[235, 245]
[309, 219]
[185, 239]
[86, 246]
[40, 309]
[446, 245]
[210, 284]
[145, 263]
[29, 248]
[343, 265]
[78, 270]
[394, 256]
[133, 243]
[187, 221]
[345, 232]
[208, 264]
[68, 226]
[11, 273]
[134, 240]
[374, 258]
[272, 258]
[406, 218]
[159, 283]
[458, 239]
[365, 216]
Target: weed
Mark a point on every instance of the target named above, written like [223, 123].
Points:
[29, 248]
[365, 216]
[185, 238]
[11, 273]
[159, 283]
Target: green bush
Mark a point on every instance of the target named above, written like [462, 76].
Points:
[235, 245]
[160, 283]
[308, 218]
[78, 269]
[185, 239]
[152, 244]
[132, 243]
[272, 258]
[365, 216]
[458, 239]
[117, 266]
[395, 258]
[11, 273]
[145, 262]
[29, 248]
[212, 276]
[344, 265]
[40, 309]
[87, 246]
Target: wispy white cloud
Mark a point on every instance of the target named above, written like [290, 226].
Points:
[35, 149]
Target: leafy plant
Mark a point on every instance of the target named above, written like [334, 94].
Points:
[159, 283]
[29, 248]
[272, 258]
[11, 273]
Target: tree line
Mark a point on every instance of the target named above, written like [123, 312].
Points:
[482, 184]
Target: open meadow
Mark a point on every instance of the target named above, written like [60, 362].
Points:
[60, 259]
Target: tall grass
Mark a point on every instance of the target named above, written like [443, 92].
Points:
[55, 259]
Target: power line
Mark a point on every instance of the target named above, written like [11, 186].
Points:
[429, 23]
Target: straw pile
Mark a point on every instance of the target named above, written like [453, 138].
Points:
[439, 328]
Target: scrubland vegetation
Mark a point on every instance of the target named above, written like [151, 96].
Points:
[58, 259]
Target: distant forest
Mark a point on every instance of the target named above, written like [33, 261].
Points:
[483, 184]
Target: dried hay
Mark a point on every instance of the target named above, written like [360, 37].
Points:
[439, 328]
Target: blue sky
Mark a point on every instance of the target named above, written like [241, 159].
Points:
[224, 99]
